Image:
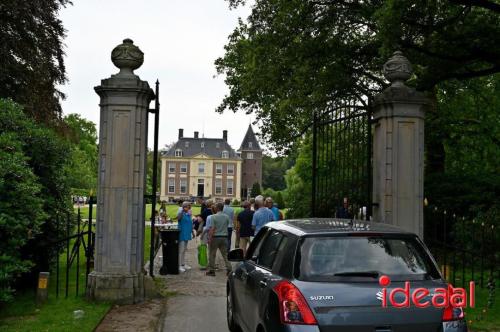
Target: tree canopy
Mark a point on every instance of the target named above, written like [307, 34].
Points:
[293, 57]
[31, 49]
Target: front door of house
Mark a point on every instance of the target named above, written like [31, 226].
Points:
[201, 187]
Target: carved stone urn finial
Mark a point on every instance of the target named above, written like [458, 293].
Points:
[397, 69]
[127, 57]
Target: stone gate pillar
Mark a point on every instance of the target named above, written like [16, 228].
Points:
[118, 274]
[398, 150]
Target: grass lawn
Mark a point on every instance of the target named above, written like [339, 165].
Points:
[57, 314]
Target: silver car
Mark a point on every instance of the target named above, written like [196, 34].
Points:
[325, 275]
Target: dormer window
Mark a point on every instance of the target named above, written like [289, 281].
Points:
[178, 153]
[250, 145]
[202, 145]
[225, 154]
[186, 144]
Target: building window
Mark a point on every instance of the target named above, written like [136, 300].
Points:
[218, 186]
[171, 185]
[250, 155]
[217, 145]
[202, 145]
[230, 169]
[225, 154]
[201, 168]
[178, 153]
[218, 168]
[229, 188]
[184, 168]
[183, 186]
[171, 167]
[250, 145]
[186, 144]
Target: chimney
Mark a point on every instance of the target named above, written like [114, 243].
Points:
[181, 133]
[224, 135]
[196, 134]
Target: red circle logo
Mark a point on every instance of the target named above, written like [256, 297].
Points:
[384, 281]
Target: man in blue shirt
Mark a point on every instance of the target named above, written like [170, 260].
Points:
[274, 209]
[262, 215]
[229, 211]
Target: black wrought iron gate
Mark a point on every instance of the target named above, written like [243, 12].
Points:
[342, 154]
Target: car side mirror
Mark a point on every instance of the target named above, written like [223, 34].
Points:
[235, 255]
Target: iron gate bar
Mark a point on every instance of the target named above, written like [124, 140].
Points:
[67, 254]
[154, 186]
[90, 248]
[78, 252]
[314, 166]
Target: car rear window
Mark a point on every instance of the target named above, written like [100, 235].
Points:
[363, 259]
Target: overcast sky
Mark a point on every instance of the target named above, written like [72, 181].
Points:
[180, 40]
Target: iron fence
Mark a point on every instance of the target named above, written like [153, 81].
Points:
[467, 249]
[79, 235]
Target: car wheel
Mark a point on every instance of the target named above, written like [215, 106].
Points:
[231, 324]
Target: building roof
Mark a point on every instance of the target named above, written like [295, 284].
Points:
[212, 147]
[250, 138]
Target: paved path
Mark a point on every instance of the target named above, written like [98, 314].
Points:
[199, 302]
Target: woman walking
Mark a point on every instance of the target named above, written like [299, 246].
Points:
[185, 230]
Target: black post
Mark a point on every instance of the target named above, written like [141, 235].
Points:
[155, 166]
[472, 261]
[58, 219]
[444, 244]
[369, 147]
[482, 253]
[463, 242]
[89, 242]
[314, 166]
[68, 222]
[78, 220]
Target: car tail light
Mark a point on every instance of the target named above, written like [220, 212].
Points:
[450, 313]
[293, 307]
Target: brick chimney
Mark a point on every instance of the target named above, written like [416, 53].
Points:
[196, 134]
[224, 135]
[181, 133]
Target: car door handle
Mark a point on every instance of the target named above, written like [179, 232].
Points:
[263, 284]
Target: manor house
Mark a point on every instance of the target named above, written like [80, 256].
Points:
[200, 167]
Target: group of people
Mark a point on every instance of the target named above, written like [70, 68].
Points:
[217, 222]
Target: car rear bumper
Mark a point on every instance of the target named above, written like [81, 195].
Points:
[301, 328]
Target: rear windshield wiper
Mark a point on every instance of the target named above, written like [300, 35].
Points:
[371, 274]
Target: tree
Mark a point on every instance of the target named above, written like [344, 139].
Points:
[273, 172]
[256, 190]
[45, 153]
[82, 171]
[31, 50]
[279, 200]
[20, 198]
[293, 57]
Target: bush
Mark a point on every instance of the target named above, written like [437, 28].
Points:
[34, 191]
[236, 202]
[21, 215]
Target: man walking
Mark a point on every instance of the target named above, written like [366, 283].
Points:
[245, 230]
[229, 211]
[218, 239]
[262, 214]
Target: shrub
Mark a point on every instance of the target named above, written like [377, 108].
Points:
[21, 213]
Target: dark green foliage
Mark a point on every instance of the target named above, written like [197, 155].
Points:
[293, 57]
[256, 189]
[298, 182]
[31, 49]
[273, 172]
[21, 214]
[82, 170]
[279, 200]
[39, 158]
